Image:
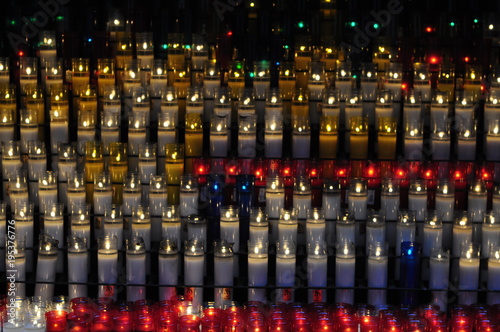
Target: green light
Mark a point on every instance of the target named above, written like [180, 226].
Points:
[252, 75]
[32, 19]
[238, 66]
[452, 24]
[13, 22]
[352, 24]
[187, 46]
[164, 46]
[60, 18]
[375, 26]
[300, 24]
[286, 47]
[476, 20]
[354, 76]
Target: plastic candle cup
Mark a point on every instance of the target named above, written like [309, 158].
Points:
[167, 133]
[171, 223]
[257, 269]
[315, 226]
[490, 234]
[46, 267]
[375, 230]
[383, 105]
[194, 262]
[358, 137]
[331, 103]
[468, 273]
[28, 68]
[317, 265]
[477, 201]
[219, 136]
[377, 273]
[439, 109]
[273, 136]
[199, 51]
[261, 79]
[413, 107]
[147, 165]
[466, 143]
[346, 228]
[168, 268]
[462, 232]
[37, 166]
[417, 199]
[410, 272]
[422, 80]
[274, 103]
[285, 270]
[113, 223]
[132, 193]
[369, 81]
[439, 272]
[259, 226]
[246, 103]
[394, 76]
[236, 79]
[131, 76]
[110, 129]
[103, 193]
[224, 262]
[345, 267]
[445, 200]
[80, 74]
[107, 266]
[6, 125]
[54, 226]
[301, 136]
[137, 135]
[343, 77]
[387, 127]
[77, 267]
[136, 269]
[275, 202]
[433, 234]
[18, 258]
[223, 103]
[328, 137]
[211, 79]
[87, 101]
[316, 80]
[118, 167]
[76, 194]
[413, 139]
[94, 166]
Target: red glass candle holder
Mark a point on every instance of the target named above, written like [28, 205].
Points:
[123, 320]
[79, 321]
[56, 321]
[103, 321]
[189, 323]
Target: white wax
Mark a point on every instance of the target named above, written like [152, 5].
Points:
[490, 238]
[492, 147]
[168, 269]
[55, 228]
[83, 136]
[466, 149]
[28, 133]
[460, 235]
[219, 145]
[146, 169]
[45, 272]
[395, 88]
[259, 233]
[440, 148]
[389, 205]
[102, 199]
[317, 271]
[115, 228]
[383, 112]
[257, 270]
[331, 205]
[77, 272]
[468, 279]
[302, 203]
[246, 146]
[301, 145]
[476, 206]
[130, 199]
[143, 230]
[76, 198]
[404, 233]
[230, 231]
[197, 232]
[223, 266]
[346, 232]
[109, 135]
[285, 271]
[357, 205]
[377, 271]
[273, 144]
[10, 166]
[135, 139]
[287, 231]
[136, 274]
[439, 272]
[316, 231]
[369, 88]
[418, 203]
[20, 267]
[194, 267]
[171, 230]
[374, 234]
[345, 272]
[275, 202]
[156, 202]
[445, 206]
[6, 133]
[46, 197]
[493, 281]
[58, 134]
[433, 239]
[413, 148]
[424, 89]
[188, 202]
[107, 268]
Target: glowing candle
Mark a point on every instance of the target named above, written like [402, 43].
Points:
[141, 225]
[171, 223]
[47, 189]
[247, 136]
[87, 102]
[328, 137]
[369, 81]
[493, 141]
[439, 109]
[94, 165]
[273, 136]
[111, 103]
[77, 267]
[462, 233]
[219, 136]
[174, 168]
[103, 193]
[86, 129]
[375, 230]
[394, 76]
[144, 48]
[23, 215]
[405, 229]
[301, 137]
[257, 269]
[118, 167]
[58, 129]
[37, 166]
[194, 135]
[315, 226]
[477, 200]
[377, 273]
[317, 264]
[28, 128]
[345, 267]
[28, 72]
[107, 266]
[433, 234]
[188, 197]
[194, 261]
[387, 137]
[345, 228]
[105, 74]
[358, 199]
[197, 229]
[80, 222]
[288, 226]
[493, 280]
[223, 265]
[285, 270]
[445, 200]
[158, 198]
[359, 137]
[113, 224]
[131, 76]
[66, 167]
[76, 190]
[194, 101]
[6, 125]
[54, 226]
[417, 199]
[439, 271]
[131, 193]
[422, 80]
[168, 268]
[46, 267]
[331, 207]
[464, 108]
[136, 269]
[259, 226]
[468, 273]
[490, 234]
[80, 74]
[467, 137]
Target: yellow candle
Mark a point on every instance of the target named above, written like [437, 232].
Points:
[194, 135]
[236, 80]
[300, 103]
[359, 137]
[328, 137]
[387, 138]
[174, 169]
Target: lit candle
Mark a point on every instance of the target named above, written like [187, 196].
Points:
[358, 198]
[384, 105]
[219, 136]
[230, 231]
[468, 273]
[301, 137]
[105, 74]
[302, 196]
[47, 189]
[422, 80]
[28, 128]
[315, 226]
[493, 280]
[331, 207]
[222, 103]
[275, 202]
[285, 270]
[369, 81]
[141, 225]
[66, 167]
[405, 229]
[17, 257]
[87, 102]
[189, 194]
[23, 215]
[493, 141]
[417, 199]
[194, 262]
[257, 269]
[317, 266]
[445, 200]
[462, 233]
[141, 103]
[158, 198]
[375, 230]
[464, 108]
[194, 135]
[413, 107]
[439, 109]
[107, 266]
[46, 267]
[80, 75]
[477, 200]
[103, 193]
[111, 103]
[110, 130]
[199, 52]
[86, 129]
[377, 273]
[328, 137]
[410, 272]
[76, 190]
[131, 193]
[113, 224]
[387, 137]
[439, 272]
[466, 143]
[413, 139]
[77, 267]
[54, 226]
[236, 79]
[394, 75]
[358, 137]
[94, 166]
[118, 167]
[168, 268]
[259, 226]
[80, 221]
[136, 136]
[144, 48]
[211, 78]
[16, 320]
[194, 100]
[490, 234]
[345, 267]
[37, 166]
[174, 168]
[131, 76]
[343, 79]
[247, 136]
[390, 200]
[346, 228]
[136, 269]
[166, 135]
[6, 125]
[171, 223]
[11, 161]
[273, 136]
[288, 226]
[433, 234]
[28, 72]
[223, 265]
[170, 103]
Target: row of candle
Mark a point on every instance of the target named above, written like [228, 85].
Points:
[180, 315]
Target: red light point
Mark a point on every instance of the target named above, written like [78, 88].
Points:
[458, 175]
[229, 33]
[21, 53]
[466, 59]
[429, 29]
[313, 172]
[404, 86]
[434, 59]
[286, 171]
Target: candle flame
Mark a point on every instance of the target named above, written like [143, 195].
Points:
[28, 71]
[369, 74]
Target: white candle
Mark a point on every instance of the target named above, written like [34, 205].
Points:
[194, 262]
[375, 230]
[287, 230]
[445, 201]
[46, 270]
[197, 229]
[345, 267]
[107, 266]
[131, 196]
[468, 278]
[477, 200]
[358, 199]
[168, 269]
[59, 133]
[273, 144]
[285, 276]
[439, 271]
[490, 234]
[77, 268]
[257, 274]
[433, 236]
[219, 142]
[377, 276]
[440, 145]
[417, 199]
[494, 278]
[315, 228]
[389, 200]
[346, 230]
[405, 232]
[331, 200]
[275, 198]
[114, 227]
[230, 230]
[171, 224]
[317, 265]
[142, 228]
[157, 200]
[246, 145]
[223, 265]
[136, 270]
[493, 146]
[301, 144]
[102, 199]
[462, 234]
[188, 196]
